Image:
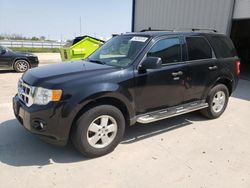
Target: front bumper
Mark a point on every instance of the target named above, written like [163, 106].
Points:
[44, 121]
[34, 62]
[34, 65]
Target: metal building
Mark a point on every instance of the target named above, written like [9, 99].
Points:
[231, 17]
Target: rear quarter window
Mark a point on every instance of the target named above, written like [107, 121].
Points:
[223, 46]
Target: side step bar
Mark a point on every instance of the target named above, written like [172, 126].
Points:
[171, 112]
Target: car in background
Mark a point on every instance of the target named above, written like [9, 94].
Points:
[19, 61]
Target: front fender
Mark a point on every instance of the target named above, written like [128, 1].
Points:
[95, 92]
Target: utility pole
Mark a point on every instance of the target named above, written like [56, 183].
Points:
[80, 26]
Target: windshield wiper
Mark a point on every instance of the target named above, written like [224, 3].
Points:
[96, 61]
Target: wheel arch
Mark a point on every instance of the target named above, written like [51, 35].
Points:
[106, 100]
[221, 80]
[227, 82]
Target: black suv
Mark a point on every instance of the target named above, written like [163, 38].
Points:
[19, 61]
[136, 77]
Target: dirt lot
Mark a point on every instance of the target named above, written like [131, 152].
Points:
[46, 58]
[186, 151]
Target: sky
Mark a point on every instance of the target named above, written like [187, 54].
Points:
[60, 19]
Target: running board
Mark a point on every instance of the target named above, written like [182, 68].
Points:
[171, 112]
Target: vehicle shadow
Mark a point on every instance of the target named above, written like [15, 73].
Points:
[18, 147]
[243, 90]
[3, 71]
[139, 132]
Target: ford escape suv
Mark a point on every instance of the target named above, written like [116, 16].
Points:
[135, 77]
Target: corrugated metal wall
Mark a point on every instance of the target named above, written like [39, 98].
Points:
[169, 14]
[242, 9]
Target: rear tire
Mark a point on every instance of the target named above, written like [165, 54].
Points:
[98, 131]
[217, 100]
[21, 66]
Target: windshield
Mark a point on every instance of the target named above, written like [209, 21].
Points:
[4, 48]
[119, 51]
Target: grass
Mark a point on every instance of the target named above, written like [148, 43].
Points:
[36, 50]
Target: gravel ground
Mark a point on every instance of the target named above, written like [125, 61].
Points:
[47, 58]
[185, 151]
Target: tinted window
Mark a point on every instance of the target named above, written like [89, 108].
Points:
[198, 48]
[169, 50]
[222, 46]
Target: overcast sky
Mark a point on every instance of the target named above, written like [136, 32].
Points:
[56, 18]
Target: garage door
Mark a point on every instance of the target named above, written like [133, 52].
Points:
[170, 14]
[242, 9]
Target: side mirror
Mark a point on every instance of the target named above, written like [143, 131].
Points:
[3, 51]
[151, 63]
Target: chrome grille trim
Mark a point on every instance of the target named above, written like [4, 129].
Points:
[25, 93]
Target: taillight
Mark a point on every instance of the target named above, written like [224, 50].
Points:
[237, 64]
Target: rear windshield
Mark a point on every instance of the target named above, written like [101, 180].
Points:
[222, 46]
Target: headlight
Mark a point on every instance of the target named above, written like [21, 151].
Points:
[43, 96]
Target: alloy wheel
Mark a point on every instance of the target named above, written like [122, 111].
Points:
[22, 65]
[218, 101]
[102, 131]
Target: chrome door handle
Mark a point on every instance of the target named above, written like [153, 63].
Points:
[213, 67]
[179, 73]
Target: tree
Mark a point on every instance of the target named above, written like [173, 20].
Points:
[42, 38]
[34, 38]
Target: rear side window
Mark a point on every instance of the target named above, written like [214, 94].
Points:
[198, 48]
[169, 50]
[222, 46]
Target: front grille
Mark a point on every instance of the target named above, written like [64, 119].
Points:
[25, 93]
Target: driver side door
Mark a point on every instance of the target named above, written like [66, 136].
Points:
[162, 88]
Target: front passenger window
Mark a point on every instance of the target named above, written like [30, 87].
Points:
[169, 50]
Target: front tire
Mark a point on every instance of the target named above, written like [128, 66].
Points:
[21, 66]
[98, 131]
[217, 100]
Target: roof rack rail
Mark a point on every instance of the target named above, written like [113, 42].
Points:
[150, 29]
[196, 29]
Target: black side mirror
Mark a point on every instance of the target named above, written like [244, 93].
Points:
[3, 51]
[151, 63]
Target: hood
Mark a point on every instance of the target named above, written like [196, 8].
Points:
[64, 72]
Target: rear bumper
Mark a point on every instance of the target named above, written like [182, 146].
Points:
[44, 121]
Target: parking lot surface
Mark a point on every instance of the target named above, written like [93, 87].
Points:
[46, 58]
[185, 151]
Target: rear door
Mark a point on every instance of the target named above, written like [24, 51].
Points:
[202, 65]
